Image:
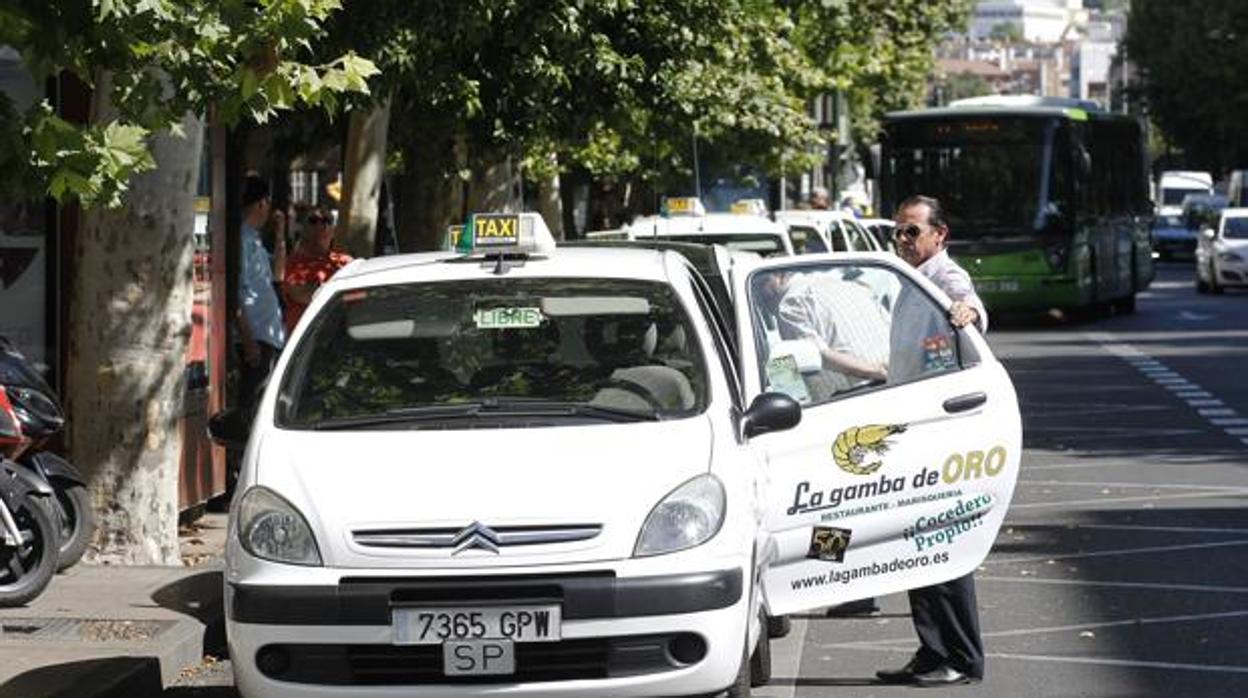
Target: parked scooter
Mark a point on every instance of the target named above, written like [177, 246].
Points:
[29, 536]
[40, 416]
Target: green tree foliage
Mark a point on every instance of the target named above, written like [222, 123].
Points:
[157, 60]
[962, 86]
[1006, 32]
[878, 51]
[1193, 56]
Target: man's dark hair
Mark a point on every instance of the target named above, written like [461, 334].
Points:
[936, 212]
[254, 189]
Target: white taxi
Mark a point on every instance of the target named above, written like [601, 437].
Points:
[1222, 253]
[514, 469]
[684, 219]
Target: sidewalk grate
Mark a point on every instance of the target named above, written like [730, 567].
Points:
[82, 629]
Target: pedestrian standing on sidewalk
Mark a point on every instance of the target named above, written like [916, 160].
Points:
[261, 332]
[312, 263]
[946, 616]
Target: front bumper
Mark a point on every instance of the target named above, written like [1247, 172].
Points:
[630, 636]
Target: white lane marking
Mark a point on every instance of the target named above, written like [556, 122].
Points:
[1237, 432]
[1058, 659]
[1213, 410]
[1132, 485]
[1141, 527]
[1117, 552]
[1124, 500]
[1189, 315]
[1160, 620]
[1133, 663]
[1125, 464]
[1150, 586]
[1230, 421]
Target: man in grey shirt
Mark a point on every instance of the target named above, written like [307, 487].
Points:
[946, 616]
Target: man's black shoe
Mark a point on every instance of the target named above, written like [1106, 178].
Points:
[905, 674]
[943, 675]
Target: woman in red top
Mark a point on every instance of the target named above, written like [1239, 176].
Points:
[311, 264]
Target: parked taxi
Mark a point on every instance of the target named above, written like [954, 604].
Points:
[514, 469]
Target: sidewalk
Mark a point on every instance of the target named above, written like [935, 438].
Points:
[102, 631]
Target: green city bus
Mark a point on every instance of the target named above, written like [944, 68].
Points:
[1047, 199]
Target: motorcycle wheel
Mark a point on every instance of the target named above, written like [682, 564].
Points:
[26, 568]
[77, 520]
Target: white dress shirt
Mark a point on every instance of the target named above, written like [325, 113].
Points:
[956, 283]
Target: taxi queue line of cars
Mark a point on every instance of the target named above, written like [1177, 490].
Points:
[597, 471]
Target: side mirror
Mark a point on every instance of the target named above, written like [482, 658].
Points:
[770, 412]
[230, 429]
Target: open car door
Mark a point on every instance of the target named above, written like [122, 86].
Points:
[902, 468]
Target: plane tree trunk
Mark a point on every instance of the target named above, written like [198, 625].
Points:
[365, 167]
[129, 322]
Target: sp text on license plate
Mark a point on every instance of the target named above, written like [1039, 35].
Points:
[434, 625]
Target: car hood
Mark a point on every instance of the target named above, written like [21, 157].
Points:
[393, 499]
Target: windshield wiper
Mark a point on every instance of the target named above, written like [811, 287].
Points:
[543, 407]
[508, 407]
[402, 415]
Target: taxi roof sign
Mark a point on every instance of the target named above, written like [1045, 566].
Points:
[753, 207]
[505, 233]
[683, 206]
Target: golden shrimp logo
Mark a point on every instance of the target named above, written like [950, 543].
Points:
[855, 447]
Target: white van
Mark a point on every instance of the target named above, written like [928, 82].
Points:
[1174, 185]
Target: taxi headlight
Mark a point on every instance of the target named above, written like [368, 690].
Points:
[691, 515]
[271, 528]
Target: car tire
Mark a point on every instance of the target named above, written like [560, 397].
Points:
[760, 660]
[779, 626]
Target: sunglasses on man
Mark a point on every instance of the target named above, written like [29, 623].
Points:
[317, 220]
[909, 231]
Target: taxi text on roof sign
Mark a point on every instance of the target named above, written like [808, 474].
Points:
[496, 230]
[683, 206]
[756, 207]
[505, 233]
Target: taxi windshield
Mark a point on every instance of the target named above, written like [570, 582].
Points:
[495, 352]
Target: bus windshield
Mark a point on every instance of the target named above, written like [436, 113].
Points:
[996, 176]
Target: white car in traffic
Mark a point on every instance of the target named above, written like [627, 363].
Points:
[1222, 253]
[536, 472]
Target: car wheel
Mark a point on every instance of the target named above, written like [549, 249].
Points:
[760, 661]
[779, 626]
